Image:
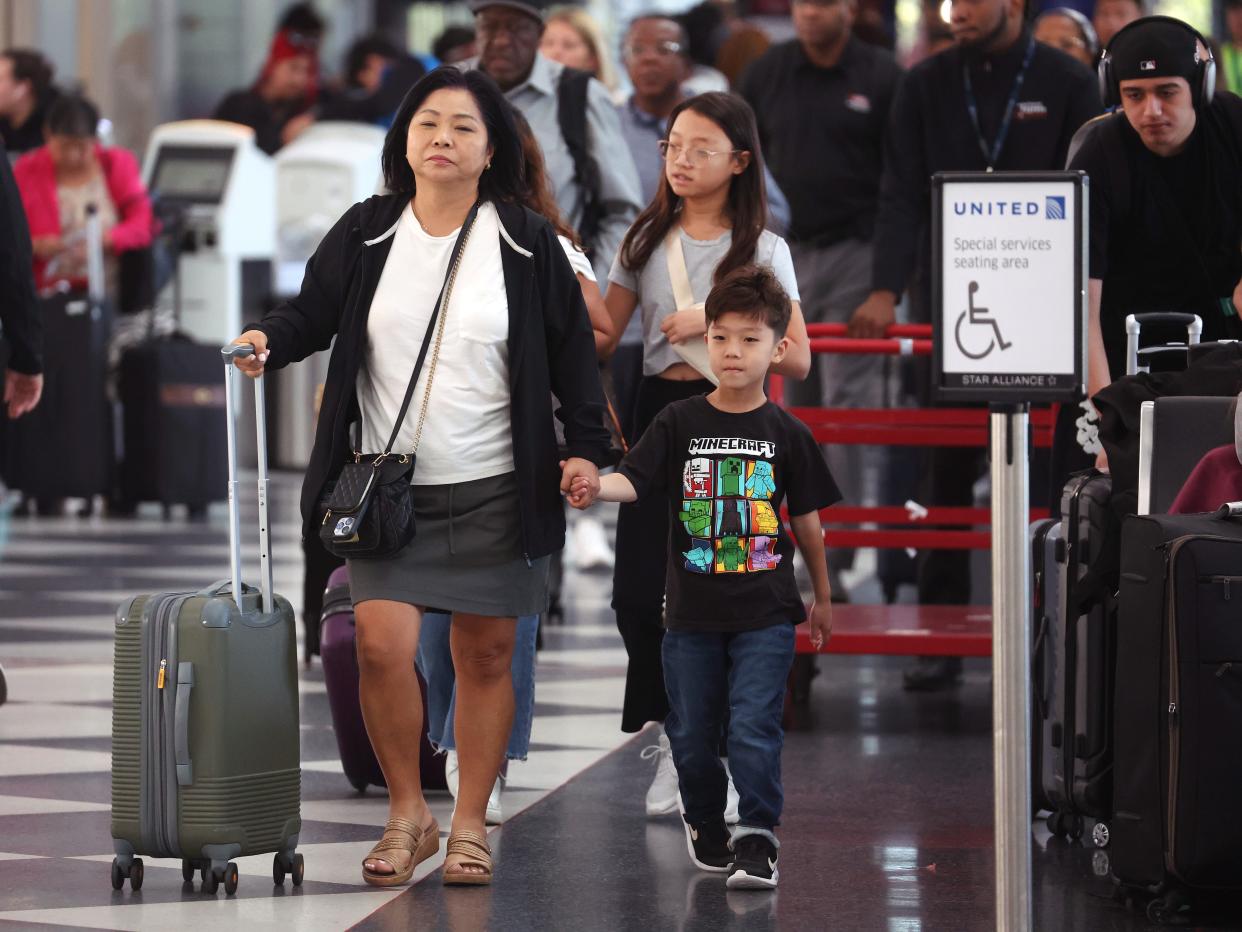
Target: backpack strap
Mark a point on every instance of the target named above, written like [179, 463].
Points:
[571, 115]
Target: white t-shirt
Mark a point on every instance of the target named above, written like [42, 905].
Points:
[467, 434]
[578, 260]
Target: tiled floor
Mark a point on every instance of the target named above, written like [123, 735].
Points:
[60, 581]
[888, 796]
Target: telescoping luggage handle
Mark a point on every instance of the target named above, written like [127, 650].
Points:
[1134, 326]
[231, 352]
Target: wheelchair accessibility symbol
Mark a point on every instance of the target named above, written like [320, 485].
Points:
[978, 319]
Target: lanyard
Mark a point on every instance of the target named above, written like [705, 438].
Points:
[992, 155]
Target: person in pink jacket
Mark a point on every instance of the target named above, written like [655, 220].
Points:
[62, 179]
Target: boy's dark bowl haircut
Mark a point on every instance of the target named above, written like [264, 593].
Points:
[752, 290]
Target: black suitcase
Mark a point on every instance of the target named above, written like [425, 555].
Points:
[1047, 572]
[64, 447]
[172, 399]
[1177, 824]
[1075, 662]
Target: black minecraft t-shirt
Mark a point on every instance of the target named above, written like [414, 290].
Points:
[726, 475]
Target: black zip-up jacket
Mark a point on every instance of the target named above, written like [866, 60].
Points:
[930, 131]
[551, 350]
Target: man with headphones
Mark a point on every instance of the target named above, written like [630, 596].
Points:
[1166, 190]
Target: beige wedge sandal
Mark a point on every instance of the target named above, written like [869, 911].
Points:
[470, 849]
[401, 835]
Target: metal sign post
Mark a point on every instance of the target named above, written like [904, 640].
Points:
[1011, 665]
[1009, 295]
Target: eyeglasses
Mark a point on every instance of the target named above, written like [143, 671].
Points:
[666, 49]
[671, 152]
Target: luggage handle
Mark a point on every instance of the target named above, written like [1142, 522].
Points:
[1134, 325]
[231, 352]
[185, 686]
[1229, 510]
[222, 586]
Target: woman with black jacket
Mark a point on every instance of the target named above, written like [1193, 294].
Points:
[486, 481]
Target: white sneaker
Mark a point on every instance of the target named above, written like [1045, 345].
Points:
[663, 795]
[450, 773]
[731, 800]
[495, 815]
[590, 545]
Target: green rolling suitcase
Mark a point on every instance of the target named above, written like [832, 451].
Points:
[205, 740]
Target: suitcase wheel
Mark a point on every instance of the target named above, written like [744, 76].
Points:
[230, 879]
[1164, 910]
[1100, 834]
[1066, 825]
[211, 883]
[288, 864]
[187, 871]
[134, 874]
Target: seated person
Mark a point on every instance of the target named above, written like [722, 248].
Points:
[60, 180]
[1217, 479]
[278, 106]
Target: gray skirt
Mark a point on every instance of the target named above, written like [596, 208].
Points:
[466, 555]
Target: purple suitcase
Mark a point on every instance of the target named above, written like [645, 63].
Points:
[340, 672]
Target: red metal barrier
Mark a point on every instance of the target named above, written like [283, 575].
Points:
[946, 630]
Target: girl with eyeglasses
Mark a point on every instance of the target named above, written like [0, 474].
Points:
[708, 218]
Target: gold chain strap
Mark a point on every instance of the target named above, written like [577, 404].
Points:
[435, 351]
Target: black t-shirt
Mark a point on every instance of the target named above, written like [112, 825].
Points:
[730, 561]
[1165, 231]
[822, 131]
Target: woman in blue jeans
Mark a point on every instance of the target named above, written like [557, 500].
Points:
[435, 663]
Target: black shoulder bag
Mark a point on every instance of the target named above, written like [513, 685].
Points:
[368, 511]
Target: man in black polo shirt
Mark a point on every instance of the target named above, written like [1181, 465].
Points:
[996, 100]
[1166, 191]
[822, 102]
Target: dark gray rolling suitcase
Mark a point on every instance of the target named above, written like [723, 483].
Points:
[1046, 584]
[1177, 826]
[1074, 663]
[205, 740]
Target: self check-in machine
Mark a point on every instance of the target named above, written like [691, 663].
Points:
[215, 189]
[328, 168]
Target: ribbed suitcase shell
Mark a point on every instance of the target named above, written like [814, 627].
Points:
[205, 730]
[241, 792]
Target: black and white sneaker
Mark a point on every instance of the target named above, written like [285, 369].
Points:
[754, 864]
[709, 845]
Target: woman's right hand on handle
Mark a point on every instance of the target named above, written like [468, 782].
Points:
[252, 365]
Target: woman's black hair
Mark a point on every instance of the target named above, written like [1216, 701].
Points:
[503, 181]
[72, 115]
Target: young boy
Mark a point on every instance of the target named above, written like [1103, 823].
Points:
[725, 461]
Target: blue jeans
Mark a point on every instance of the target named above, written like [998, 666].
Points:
[702, 690]
[435, 662]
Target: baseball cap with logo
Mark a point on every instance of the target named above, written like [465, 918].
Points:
[1156, 48]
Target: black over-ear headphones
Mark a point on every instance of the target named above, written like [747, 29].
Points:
[1202, 84]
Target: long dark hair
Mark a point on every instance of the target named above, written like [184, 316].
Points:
[538, 195]
[746, 206]
[503, 181]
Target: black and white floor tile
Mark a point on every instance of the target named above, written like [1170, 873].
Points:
[60, 581]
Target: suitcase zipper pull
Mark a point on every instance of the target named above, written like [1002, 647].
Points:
[159, 683]
[1224, 668]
